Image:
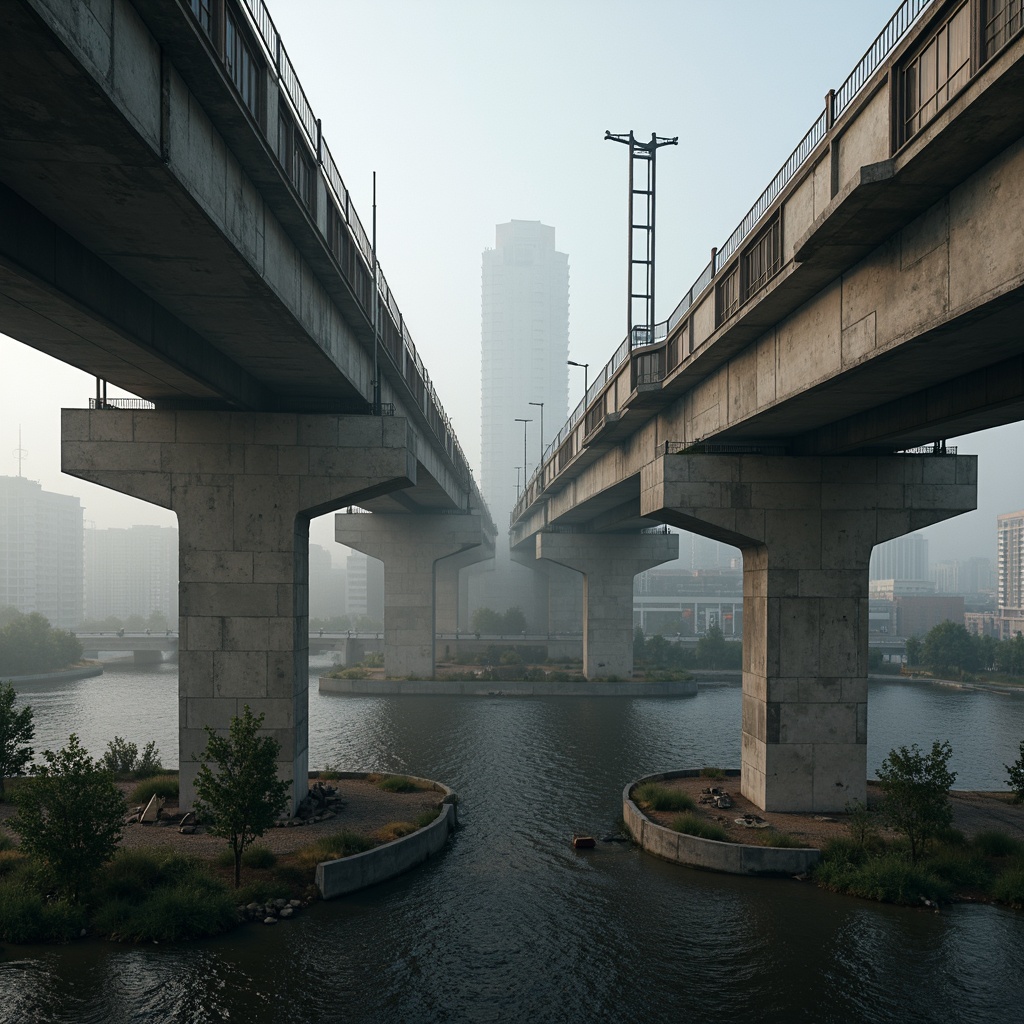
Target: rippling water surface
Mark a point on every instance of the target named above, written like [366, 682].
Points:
[511, 924]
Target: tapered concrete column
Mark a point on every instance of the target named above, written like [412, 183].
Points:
[447, 592]
[806, 527]
[410, 547]
[244, 487]
[609, 562]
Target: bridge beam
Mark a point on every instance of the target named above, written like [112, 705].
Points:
[806, 527]
[410, 546]
[609, 562]
[449, 603]
[244, 487]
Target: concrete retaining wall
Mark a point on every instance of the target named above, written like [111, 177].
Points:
[732, 858]
[60, 676]
[480, 688]
[349, 874]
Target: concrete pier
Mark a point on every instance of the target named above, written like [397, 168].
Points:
[806, 527]
[608, 562]
[411, 547]
[244, 487]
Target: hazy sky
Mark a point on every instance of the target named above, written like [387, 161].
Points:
[475, 112]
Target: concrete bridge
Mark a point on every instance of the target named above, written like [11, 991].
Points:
[870, 302]
[172, 221]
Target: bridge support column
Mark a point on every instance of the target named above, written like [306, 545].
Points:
[410, 546]
[806, 527]
[448, 594]
[609, 562]
[244, 487]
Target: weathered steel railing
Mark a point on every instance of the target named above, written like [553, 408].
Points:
[898, 25]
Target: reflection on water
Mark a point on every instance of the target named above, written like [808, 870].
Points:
[510, 923]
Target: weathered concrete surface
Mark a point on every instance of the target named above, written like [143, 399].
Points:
[410, 548]
[361, 870]
[806, 527]
[450, 612]
[244, 487]
[731, 858]
[609, 562]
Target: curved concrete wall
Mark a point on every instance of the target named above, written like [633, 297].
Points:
[338, 877]
[732, 858]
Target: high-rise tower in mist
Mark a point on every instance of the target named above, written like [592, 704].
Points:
[524, 348]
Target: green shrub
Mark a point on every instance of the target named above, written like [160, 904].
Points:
[158, 785]
[425, 818]
[6, 842]
[262, 890]
[998, 844]
[334, 847]
[123, 759]
[25, 916]
[861, 823]
[712, 773]
[888, 879]
[960, 868]
[694, 825]
[1016, 773]
[186, 910]
[259, 856]
[656, 797]
[11, 861]
[1009, 887]
[843, 851]
[396, 784]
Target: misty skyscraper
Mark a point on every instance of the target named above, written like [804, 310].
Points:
[524, 347]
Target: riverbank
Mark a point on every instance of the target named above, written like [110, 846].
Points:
[510, 688]
[86, 670]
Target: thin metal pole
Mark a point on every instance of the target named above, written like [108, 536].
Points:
[541, 456]
[519, 419]
[375, 383]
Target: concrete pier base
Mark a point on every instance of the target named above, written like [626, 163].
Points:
[410, 546]
[244, 487]
[806, 527]
[608, 562]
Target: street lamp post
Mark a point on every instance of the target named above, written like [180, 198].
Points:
[586, 369]
[519, 419]
[541, 404]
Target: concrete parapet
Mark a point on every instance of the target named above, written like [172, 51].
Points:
[731, 858]
[608, 562]
[411, 547]
[361, 870]
[806, 527]
[514, 688]
[244, 487]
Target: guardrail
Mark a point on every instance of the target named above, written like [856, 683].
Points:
[421, 389]
[836, 102]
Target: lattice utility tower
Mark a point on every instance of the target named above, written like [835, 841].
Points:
[642, 156]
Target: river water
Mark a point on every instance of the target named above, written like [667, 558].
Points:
[510, 923]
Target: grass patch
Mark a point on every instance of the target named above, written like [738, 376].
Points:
[395, 783]
[259, 856]
[782, 841]
[655, 797]
[694, 825]
[960, 868]
[1009, 886]
[712, 773]
[394, 830]
[333, 847]
[157, 785]
[889, 878]
[425, 818]
[998, 844]
[25, 916]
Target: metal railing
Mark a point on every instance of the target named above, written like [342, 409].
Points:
[906, 16]
[120, 403]
[422, 391]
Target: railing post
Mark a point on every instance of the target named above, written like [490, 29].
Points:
[830, 108]
[714, 256]
[319, 143]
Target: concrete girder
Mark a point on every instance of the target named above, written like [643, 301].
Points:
[806, 527]
[244, 487]
[609, 562]
[410, 546]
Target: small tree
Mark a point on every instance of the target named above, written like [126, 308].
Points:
[916, 788]
[1016, 779]
[244, 797]
[69, 817]
[16, 729]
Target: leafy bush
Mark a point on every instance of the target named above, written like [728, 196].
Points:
[694, 825]
[1016, 779]
[394, 830]
[28, 644]
[396, 784]
[960, 868]
[782, 841]
[656, 797]
[69, 818]
[916, 788]
[998, 844]
[16, 729]
[889, 879]
[158, 785]
[708, 772]
[334, 847]
[425, 818]
[862, 825]
[123, 759]
[11, 861]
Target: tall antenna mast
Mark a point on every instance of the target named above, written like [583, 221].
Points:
[640, 282]
[19, 453]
